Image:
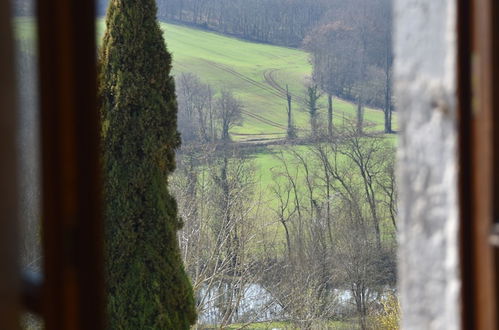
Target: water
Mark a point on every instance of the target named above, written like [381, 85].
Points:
[256, 304]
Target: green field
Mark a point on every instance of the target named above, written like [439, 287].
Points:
[257, 74]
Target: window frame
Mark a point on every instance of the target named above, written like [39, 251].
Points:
[10, 304]
[71, 295]
[73, 289]
[478, 96]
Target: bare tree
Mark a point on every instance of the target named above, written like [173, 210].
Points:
[335, 59]
[216, 195]
[387, 32]
[229, 113]
[363, 269]
[349, 46]
[285, 209]
[196, 117]
[291, 131]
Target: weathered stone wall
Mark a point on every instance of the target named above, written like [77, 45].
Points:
[425, 84]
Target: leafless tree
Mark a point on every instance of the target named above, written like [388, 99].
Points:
[229, 113]
[196, 112]
[285, 210]
[334, 58]
[333, 203]
[363, 268]
[217, 200]
[333, 208]
[291, 131]
[352, 56]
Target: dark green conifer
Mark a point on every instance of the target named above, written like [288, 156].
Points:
[148, 287]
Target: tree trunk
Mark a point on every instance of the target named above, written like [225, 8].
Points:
[330, 115]
[388, 104]
[360, 116]
[388, 82]
[288, 240]
[291, 134]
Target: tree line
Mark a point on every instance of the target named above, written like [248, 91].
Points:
[281, 22]
[352, 55]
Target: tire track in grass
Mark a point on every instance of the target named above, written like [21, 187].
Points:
[274, 88]
[268, 75]
[253, 82]
[264, 120]
[256, 84]
[245, 78]
[258, 134]
[270, 122]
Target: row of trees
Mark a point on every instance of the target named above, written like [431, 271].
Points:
[283, 22]
[316, 242]
[206, 117]
[352, 55]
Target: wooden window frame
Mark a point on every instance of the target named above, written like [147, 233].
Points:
[73, 291]
[478, 92]
[71, 295]
[9, 267]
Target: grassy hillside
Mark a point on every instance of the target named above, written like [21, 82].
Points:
[257, 73]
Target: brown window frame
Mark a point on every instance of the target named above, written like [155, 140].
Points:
[478, 93]
[73, 292]
[9, 267]
[71, 295]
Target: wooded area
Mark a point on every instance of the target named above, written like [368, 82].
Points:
[301, 247]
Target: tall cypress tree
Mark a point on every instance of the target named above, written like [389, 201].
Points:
[148, 287]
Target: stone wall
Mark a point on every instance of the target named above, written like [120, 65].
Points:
[425, 84]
